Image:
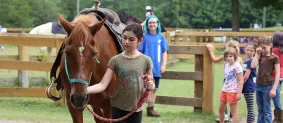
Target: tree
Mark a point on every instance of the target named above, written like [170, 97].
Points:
[276, 4]
[15, 13]
[235, 16]
[42, 12]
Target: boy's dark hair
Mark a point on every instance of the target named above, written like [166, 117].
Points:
[265, 40]
[136, 29]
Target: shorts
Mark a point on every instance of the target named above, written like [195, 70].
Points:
[156, 79]
[230, 98]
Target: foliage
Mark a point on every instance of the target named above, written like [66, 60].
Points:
[172, 13]
[276, 4]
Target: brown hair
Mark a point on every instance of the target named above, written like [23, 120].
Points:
[231, 51]
[235, 45]
[267, 40]
[253, 44]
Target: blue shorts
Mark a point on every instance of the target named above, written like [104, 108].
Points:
[156, 79]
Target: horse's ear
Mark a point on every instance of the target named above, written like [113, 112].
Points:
[96, 27]
[65, 24]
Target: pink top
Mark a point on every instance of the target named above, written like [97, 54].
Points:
[276, 51]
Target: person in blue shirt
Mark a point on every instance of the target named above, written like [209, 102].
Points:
[155, 46]
[249, 83]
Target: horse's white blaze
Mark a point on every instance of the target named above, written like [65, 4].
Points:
[81, 49]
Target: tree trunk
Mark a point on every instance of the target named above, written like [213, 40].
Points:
[235, 16]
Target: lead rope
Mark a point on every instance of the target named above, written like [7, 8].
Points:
[142, 100]
[140, 103]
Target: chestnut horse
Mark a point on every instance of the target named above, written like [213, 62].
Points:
[88, 48]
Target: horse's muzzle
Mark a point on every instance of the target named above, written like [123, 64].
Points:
[79, 100]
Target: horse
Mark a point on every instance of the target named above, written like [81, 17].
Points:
[50, 28]
[84, 62]
[127, 18]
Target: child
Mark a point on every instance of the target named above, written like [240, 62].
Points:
[211, 49]
[265, 85]
[155, 46]
[233, 44]
[233, 84]
[278, 50]
[249, 85]
[129, 68]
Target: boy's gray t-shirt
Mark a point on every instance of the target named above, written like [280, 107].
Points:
[129, 86]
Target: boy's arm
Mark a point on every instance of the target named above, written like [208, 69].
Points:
[164, 62]
[255, 61]
[276, 80]
[211, 48]
[215, 59]
[247, 75]
[240, 84]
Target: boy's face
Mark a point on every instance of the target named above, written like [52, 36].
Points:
[152, 24]
[229, 59]
[265, 49]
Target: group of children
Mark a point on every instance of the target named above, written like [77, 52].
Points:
[243, 78]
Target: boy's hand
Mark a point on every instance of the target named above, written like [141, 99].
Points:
[258, 50]
[163, 69]
[272, 93]
[210, 47]
[238, 96]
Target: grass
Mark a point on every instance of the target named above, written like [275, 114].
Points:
[273, 28]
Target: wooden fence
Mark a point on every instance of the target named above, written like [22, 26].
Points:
[189, 38]
[18, 30]
[203, 75]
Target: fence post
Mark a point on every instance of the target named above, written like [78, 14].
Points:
[23, 74]
[198, 84]
[208, 83]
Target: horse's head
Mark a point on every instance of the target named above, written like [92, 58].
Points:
[79, 56]
[127, 18]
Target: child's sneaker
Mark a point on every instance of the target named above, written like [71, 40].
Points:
[226, 118]
[230, 119]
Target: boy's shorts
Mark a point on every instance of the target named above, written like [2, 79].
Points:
[230, 98]
[156, 79]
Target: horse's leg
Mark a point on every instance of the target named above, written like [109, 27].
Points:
[99, 112]
[76, 114]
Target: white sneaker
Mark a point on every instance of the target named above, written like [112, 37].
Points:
[226, 118]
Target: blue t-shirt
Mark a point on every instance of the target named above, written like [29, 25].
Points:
[249, 85]
[154, 46]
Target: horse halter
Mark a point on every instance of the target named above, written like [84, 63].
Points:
[76, 80]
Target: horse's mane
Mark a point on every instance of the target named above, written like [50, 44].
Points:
[80, 31]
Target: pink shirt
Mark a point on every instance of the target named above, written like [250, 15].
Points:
[276, 51]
